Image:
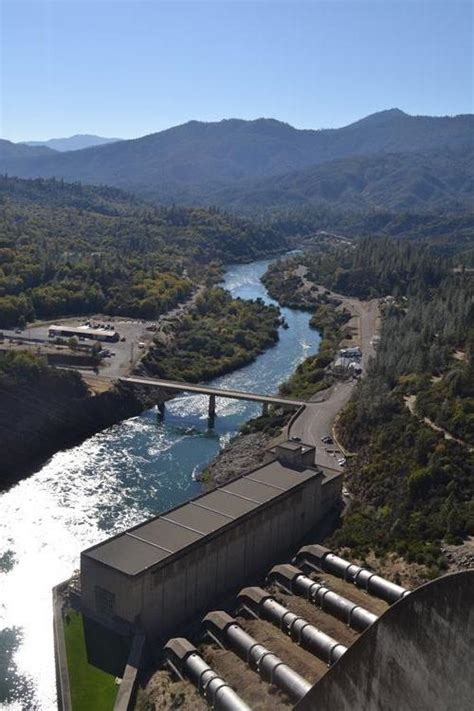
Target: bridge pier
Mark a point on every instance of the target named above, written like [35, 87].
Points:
[161, 410]
[212, 407]
[264, 409]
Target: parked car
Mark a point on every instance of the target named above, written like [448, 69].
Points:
[295, 439]
[327, 440]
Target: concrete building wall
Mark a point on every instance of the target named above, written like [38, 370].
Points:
[176, 593]
[171, 594]
[331, 491]
[94, 576]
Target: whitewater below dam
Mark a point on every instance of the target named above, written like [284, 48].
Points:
[111, 481]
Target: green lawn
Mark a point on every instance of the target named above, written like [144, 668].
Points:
[91, 688]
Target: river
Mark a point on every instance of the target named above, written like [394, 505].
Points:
[111, 481]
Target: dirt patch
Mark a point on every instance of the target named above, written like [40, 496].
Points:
[397, 570]
[162, 693]
[351, 592]
[337, 629]
[460, 557]
[259, 695]
[242, 454]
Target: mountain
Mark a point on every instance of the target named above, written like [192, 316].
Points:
[73, 143]
[417, 182]
[12, 152]
[190, 163]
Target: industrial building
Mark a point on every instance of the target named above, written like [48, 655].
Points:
[93, 334]
[163, 573]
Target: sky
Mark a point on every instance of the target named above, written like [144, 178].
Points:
[134, 67]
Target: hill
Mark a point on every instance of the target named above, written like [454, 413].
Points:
[190, 163]
[72, 249]
[10, 153]
[73, 143]
[390, 181]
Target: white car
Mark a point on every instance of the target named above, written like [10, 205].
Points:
[342, 462]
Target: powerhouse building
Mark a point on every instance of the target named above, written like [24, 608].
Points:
[161, 574]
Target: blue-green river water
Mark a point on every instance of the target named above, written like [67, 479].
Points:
[111, 481]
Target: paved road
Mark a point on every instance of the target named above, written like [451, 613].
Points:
[317, 419]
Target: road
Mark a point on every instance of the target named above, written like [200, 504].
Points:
[317, 420]
[318, 417]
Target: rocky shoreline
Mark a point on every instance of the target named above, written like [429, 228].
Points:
[243, 453]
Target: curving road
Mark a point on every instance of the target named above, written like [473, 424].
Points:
[318, 417]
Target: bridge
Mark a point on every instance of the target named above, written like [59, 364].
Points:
[179, 387]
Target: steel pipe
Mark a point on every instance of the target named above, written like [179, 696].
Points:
[225, 630]
[293, 580]
[183, 658]
[261, 604]
[320, 558]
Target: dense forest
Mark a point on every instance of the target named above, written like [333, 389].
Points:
[443, 232]
[71, 249]
[413, 485]
[378, 267]
[217, 336]
[438, 179]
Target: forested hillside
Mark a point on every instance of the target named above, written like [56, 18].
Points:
[71, 249]
[378, 267]
[410, 422]
[412, 484]
[195, 163]
[418, 182]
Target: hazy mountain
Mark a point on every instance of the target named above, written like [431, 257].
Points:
[12, 152]
[193, 162]
[73, 143]
[442, 179]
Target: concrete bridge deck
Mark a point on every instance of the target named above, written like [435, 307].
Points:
[179, 387]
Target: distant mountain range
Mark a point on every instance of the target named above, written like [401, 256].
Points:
[73, 143]
[387, 160]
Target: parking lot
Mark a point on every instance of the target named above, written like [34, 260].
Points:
[135, 338]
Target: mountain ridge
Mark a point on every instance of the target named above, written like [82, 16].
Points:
[77, 142]
[193, 162]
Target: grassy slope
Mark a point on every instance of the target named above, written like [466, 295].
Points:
[91, 688]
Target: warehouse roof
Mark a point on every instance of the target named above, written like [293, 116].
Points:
[83, 330]
[152, 542]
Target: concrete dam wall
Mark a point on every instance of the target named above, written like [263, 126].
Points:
[418, 655]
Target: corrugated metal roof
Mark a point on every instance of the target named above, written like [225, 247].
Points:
[153, 542]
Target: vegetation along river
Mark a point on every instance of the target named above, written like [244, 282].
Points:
[113, 480]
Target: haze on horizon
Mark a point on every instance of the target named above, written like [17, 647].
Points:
[132, 68]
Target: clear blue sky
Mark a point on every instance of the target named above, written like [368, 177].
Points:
[134, 67]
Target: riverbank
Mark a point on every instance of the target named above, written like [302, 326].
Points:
[243, 453]
[53, 412]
